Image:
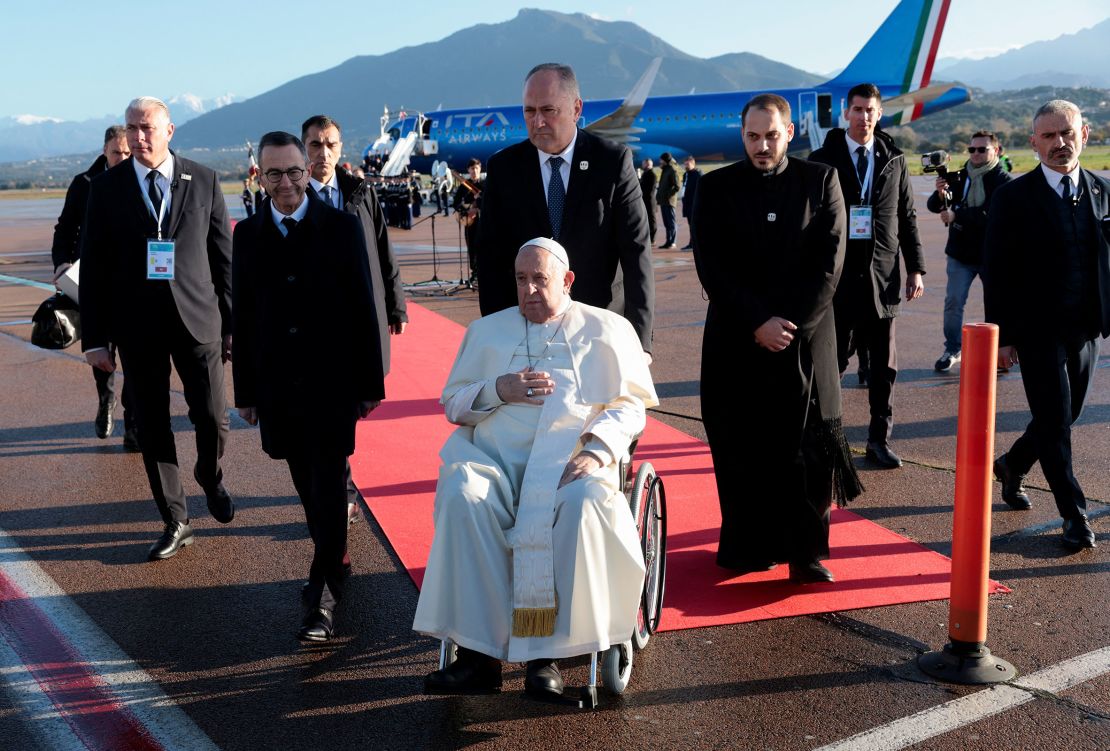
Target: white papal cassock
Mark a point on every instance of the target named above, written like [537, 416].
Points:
[508, 541]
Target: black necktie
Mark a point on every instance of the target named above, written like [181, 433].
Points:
[556, 196]
[289, 223]
[1065, 183]
[326, 190]
[861, 168]
[155, 193]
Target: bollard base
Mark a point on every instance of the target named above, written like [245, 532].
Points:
[960, 662]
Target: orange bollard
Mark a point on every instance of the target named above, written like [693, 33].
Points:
[966, 659]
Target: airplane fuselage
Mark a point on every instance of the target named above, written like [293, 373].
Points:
[704, 125]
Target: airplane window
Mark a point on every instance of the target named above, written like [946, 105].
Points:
[668, 118]
[649, 120]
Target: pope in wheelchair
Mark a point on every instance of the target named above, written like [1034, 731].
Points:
[536, 556]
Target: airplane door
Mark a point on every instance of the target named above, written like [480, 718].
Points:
[807, 111]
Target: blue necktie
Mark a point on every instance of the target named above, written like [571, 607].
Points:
[327, 196]
[155, 193]
[556, 196]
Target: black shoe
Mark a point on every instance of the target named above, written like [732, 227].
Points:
[220, 503]
[1078, 534]
[864, 375]
[131, 440]
[810, 572]
[317, 626]
[104, 419]
[1013, 489]
[740, 566]
[471, 673]
[542, 680]
[668, 246]
[687, 247]
[175, 536]
[881, 454]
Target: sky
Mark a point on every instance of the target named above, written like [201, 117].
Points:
[75, 60]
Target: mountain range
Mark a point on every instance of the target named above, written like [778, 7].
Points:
[38, 136]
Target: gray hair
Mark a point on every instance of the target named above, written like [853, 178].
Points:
[114, 133]
[143, 103]
[1057, 107]
[567, 80]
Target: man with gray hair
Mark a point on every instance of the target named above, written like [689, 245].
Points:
[156, 282]
[581, 190]
[1046, 283]
[535, 555]
[66, 250]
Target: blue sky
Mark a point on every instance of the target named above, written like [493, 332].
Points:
[75, 60]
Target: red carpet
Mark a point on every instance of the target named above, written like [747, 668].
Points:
[397, 461]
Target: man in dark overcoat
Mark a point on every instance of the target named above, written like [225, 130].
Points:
[769, 247]
[307, 363]
[882, 231]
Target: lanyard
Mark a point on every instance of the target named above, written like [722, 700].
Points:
[865, 186]
[160, 214]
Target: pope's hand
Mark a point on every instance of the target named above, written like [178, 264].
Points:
[523, 386]
[579, 466]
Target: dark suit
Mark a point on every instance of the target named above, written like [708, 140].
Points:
[870, 291]
[1046, 283]
[304, 304]
[604, 229]
[66, 248]
[154, 322]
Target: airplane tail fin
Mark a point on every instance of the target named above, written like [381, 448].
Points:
[900, 55]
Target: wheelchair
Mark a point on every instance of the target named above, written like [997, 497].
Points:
[647, 500]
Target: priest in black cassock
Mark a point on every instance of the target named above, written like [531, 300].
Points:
[769, 240]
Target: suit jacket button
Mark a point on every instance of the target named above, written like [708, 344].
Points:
[293, 330]
[291, 278]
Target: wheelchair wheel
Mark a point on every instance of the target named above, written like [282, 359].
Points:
[649, 509]
[616, 667]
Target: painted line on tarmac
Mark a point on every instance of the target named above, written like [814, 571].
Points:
[16, 323]
[70, 677]
[27, 282]
[958, 713]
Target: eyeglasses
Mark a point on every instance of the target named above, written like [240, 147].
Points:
[275, 175]
[977, 149]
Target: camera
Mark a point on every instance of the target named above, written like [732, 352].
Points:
[936, 161]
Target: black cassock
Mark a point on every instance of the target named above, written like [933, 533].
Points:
[772, 244]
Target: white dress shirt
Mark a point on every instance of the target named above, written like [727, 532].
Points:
[1056, 178]
[336, 196]
[298, 215]
[164, 180]
[564, 169]
[869, 177]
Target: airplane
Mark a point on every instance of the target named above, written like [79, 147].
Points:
[898, 58]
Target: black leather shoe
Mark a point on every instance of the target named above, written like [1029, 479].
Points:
[881, 454]
[810, 572]
[542, 679]
[864, 375]
[131, 440]
[317, 625]
[471, 673]
[175, 536]
[1078, 534]
[104, 419]
[1013, 489]
[220, 504]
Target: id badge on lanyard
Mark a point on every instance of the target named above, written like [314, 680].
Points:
[159, 252]
[859, 217]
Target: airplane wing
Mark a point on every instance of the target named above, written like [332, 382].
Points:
[617, 125]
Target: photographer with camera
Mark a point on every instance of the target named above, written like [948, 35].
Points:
[962, 199]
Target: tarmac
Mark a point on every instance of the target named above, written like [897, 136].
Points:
[199, 651]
